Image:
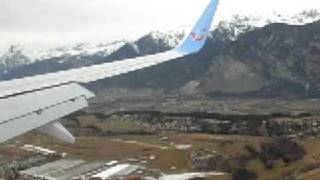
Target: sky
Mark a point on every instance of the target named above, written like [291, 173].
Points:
[42, 24]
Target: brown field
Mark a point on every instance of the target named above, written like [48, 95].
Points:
[119, 127]
[135, 146]
[167, 156]
[10, 153]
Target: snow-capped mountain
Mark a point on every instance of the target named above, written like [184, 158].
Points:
[77, 54]
[151, 43]
[81, 49]
[169, 38]
[239, 24]
[228, 30]
[270, 61]
[13, 58]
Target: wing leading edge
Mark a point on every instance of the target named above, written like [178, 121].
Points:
[38, 102]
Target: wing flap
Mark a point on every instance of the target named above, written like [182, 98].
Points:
[20, 105]
[40, 108]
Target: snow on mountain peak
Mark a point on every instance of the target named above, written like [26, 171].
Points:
[170, 38]
[238, 24]
[83, 49]
[13, 57]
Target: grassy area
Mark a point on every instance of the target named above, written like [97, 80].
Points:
[281, 169]
[119, 127]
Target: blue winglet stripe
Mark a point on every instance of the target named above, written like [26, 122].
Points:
[198, 36]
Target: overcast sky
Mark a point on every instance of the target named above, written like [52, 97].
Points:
[38, 24]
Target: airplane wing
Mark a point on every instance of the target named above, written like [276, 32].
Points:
[37, 102]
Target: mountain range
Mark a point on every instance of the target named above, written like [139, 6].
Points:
[244, 56]
[231, 28]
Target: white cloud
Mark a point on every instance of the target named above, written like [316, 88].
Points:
[44, 23]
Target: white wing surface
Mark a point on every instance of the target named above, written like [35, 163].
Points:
[37, 102]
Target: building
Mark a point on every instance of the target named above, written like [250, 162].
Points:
[117, 171]
[58, 170]
[79, 170]
[42, 151]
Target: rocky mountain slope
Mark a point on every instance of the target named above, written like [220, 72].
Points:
[275, 60]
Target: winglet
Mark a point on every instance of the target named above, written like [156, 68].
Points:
[198, 36]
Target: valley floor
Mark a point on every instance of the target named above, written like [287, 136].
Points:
[173, 152]
[103, 135]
